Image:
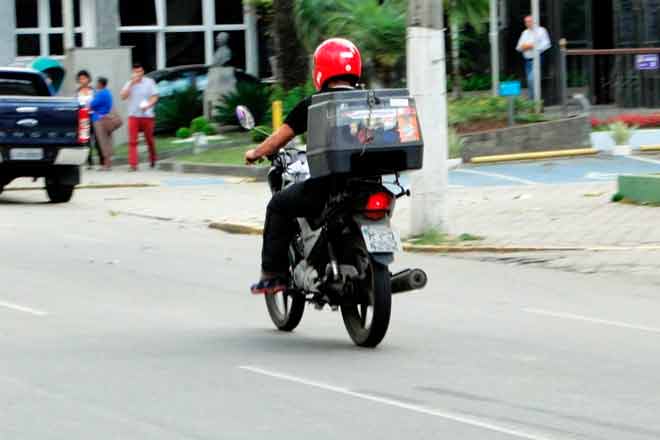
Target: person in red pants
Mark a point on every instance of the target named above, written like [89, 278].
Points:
[142, 95]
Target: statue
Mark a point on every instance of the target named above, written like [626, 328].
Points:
[222, 54]
[221, 78]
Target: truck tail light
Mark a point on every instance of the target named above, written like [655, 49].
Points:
[84, 125]
[378, 205]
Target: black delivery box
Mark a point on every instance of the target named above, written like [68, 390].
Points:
[363, 133]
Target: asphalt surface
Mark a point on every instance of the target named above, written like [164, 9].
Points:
[121, 327]
[558, 171]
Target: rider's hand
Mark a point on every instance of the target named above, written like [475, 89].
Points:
[251, 156]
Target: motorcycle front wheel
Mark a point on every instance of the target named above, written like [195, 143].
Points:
[368, 318]
[286, 308]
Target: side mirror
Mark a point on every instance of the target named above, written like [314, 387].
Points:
[245, 117]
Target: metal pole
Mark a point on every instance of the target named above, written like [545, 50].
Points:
[427, 76]
[536, 14]
[563, 76]
[495, 46]
[69, 25]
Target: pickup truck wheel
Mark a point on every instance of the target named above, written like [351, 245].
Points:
[59, 193]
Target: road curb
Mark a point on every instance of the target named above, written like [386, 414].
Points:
[257, 173]
[539, 155]
[252, 229]
[91, 186]
[237, 228]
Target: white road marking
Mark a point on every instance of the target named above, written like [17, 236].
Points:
[24, 309]
[454, 417]
[82, 238]
[593, 320]
[643, 159]
[497, 176]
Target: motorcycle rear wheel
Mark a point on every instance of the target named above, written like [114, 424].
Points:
[368, 320]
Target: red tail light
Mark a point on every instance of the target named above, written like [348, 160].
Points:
[84, 123]
[378, 205]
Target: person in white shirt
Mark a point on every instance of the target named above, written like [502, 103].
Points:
[534, 39]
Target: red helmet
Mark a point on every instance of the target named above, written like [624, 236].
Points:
[336, 57]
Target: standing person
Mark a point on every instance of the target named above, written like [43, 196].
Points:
[85, 94]
[534, 39]
[101, 107]
[142, 95]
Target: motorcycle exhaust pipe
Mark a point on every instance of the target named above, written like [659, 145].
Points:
[409, 279]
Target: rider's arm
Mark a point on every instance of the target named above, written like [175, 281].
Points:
[272, 144]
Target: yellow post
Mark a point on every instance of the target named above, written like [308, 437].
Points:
[277, 114]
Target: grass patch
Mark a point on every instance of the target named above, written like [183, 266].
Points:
[163, 144]
[220, 156]
[435, 238]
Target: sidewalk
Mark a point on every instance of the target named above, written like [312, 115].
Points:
[568, 215]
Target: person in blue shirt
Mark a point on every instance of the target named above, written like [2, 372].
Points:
[101, 107]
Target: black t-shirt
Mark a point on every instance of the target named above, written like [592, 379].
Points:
[297, 118]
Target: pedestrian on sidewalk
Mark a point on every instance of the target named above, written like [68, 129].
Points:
[534, 39]
[105, 121]
[142, 95]
[85, 94]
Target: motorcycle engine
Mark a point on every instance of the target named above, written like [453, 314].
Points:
[306, 277]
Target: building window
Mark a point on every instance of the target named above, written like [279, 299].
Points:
[184, 12]
[28, 45]
[228, 12]
[56, 44]
[144, 48]
[27, 14]
[177, 32]
[137, 13]
[185, 48]
[56, 13]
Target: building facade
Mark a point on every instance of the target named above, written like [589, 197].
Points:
[163, 33]
[597, 24]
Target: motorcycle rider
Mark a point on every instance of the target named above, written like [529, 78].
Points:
[337, 66]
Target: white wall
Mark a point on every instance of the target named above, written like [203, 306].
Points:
[114, 64]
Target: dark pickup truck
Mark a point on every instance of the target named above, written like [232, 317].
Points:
[40, 135]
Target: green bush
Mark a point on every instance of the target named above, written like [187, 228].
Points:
[199, 124]
[479, 108]
[183, 133]
[290, 98]
[179, 109]
[255, 97]
[260, 133]
[617, 198]
[210, 130]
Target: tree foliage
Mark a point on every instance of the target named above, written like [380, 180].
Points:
[377, 28]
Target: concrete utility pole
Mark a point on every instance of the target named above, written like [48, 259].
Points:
[69, 25]
[495, 46]
[536, 14]
[427, 76]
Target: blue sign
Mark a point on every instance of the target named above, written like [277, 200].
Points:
[647, 62]
[510, 88]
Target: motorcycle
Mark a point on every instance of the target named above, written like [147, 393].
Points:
[341, 259]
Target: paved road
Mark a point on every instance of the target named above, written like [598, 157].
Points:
[115, 326]
[600, 168]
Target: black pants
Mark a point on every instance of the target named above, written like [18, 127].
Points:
[302, 200]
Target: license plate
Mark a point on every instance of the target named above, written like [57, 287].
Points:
[381, 239]
[26, 154]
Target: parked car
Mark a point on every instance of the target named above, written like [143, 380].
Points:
[40, 135]
[174, 80]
